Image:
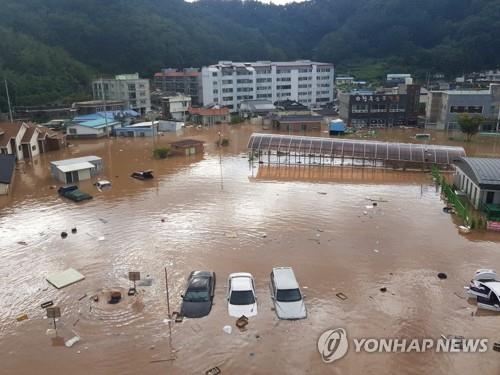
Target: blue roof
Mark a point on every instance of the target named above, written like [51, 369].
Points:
[7, 163]
[337, 126]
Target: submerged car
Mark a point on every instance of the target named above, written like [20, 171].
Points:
[241, 298]
[102, 184]
[72, 192]
[485, 288]
[199, 294]
[285, 293]
[143, 175]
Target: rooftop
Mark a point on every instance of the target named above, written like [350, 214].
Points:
[8, 130]
[75, 167]
[203, 111]
[184, 143]
[7, 165]
[485, 172]
[285, 278]
[82, 159]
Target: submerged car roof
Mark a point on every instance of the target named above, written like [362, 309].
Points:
[241, 281]
[284, 278]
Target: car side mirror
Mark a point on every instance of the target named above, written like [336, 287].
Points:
[272, 297]
[182, 296]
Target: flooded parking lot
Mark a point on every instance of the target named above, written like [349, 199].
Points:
[215, 212]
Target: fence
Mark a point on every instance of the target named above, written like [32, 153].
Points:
[451, 196]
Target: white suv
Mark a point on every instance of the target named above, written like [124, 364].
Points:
[285, 293]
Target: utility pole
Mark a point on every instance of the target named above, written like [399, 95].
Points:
[8, 101]
[498, 118]
[105, 106]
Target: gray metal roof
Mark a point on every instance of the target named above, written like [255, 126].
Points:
[7, 165]
[367, 149]
[485, 172]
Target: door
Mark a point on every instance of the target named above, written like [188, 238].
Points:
[490, 197]
[75, 176]
[69, 178]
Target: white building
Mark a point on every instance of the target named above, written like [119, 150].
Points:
[127, 87]
[228, 83]
[176, 107]
[76, 169]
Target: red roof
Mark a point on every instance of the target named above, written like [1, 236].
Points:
[177, 74]
[209, 111]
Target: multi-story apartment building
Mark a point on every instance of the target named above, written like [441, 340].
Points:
[228, 83]
[127, 87]
[445, 107]
[185, 81]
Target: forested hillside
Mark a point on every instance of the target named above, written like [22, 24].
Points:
[49, 49]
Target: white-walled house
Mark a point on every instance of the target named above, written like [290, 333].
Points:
[479, 178]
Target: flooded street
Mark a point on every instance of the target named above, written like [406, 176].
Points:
[215, 212]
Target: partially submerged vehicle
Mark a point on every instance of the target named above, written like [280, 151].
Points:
[102, 184]
[285, 293]
[485, 287]
[143, 175]
[72, 192]
[241, 298]
[199, 294]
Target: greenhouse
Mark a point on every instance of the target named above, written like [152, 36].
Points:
[291, 149]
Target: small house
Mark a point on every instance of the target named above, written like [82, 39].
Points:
[7, 168]
[479, 179]
[186, 147]
[337, 127]
[141, 129]
[94, 125]
[76, 169]
[209, 115]
[296, 122]
[170, 126]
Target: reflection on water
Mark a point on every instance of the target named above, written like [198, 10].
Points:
[276, 216]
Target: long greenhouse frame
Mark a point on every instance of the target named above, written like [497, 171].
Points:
[293, 149]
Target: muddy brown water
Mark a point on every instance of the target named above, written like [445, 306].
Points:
[219, 214]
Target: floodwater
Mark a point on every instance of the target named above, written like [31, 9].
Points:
[215, 212]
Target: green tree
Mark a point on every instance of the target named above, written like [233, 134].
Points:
[469, 125]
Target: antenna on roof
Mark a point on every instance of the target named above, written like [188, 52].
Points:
[8, 100]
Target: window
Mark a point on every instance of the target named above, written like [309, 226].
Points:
[227, 81]
[215, 83]
[244, 89]
[263, 96]
[260, 80]
[244, 97]
[244, 80]
[263, 71]
[468, 109]
[263, 88]
[284, 79]
[305, 78]
[227, 98]
[359, 108]
[396, 107]
[227, 90]
[214, 74]
[72, 131]
[305, 70]
[33, 148]
[284, 87]
[215, 91]
[131, 87]
[243, 73]
[377, 108]
[283, 71]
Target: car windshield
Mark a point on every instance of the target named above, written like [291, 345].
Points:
[288, 295]
[196, 296]
[242, 297]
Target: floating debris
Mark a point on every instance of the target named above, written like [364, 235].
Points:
[341, 295]
[442, 275]
[47, 304]
[227, 329]
[383, 289]
[22, 317]
[213, 371]
[64, 235]
[72, 341]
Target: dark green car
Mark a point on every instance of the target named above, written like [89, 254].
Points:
[72, 192]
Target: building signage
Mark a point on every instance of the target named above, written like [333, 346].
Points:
[376, 98]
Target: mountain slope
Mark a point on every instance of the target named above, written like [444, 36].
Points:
[115, 36]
